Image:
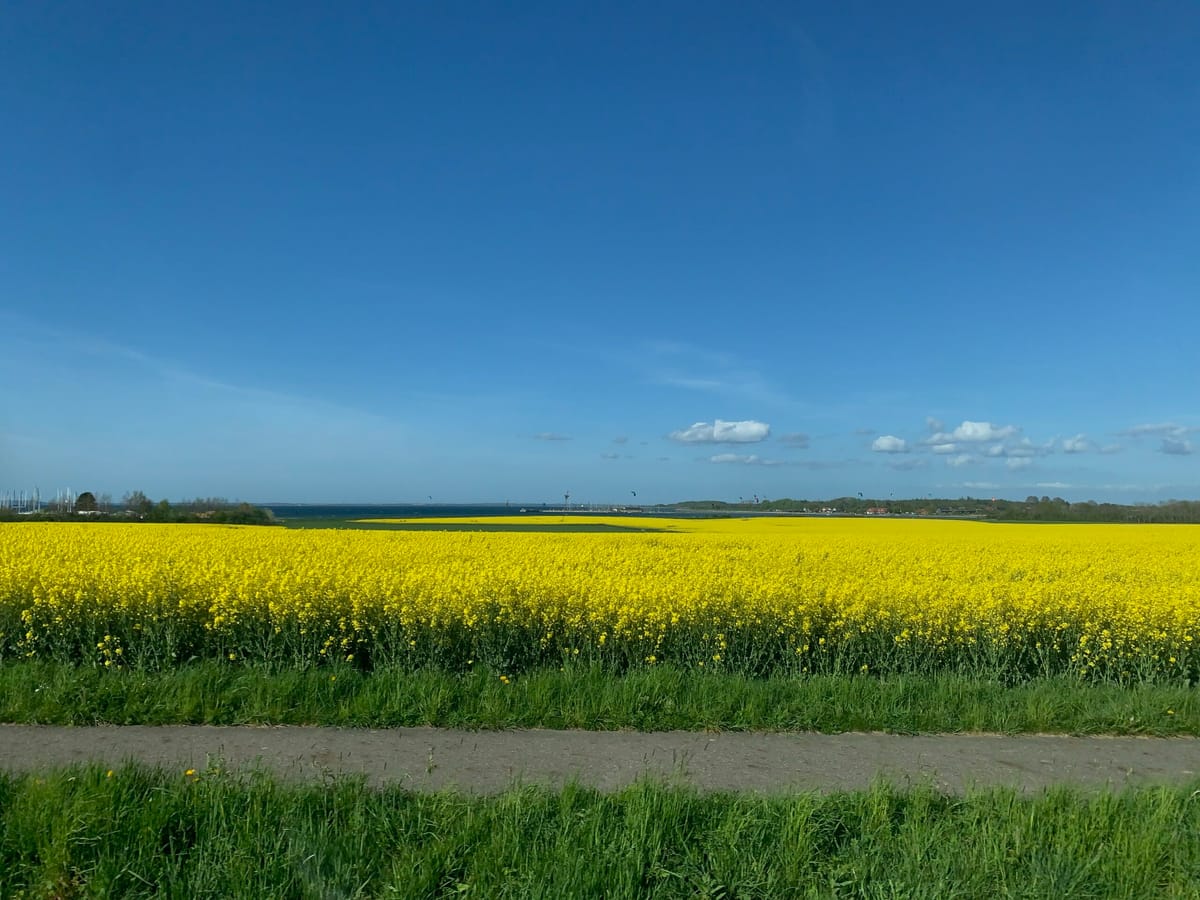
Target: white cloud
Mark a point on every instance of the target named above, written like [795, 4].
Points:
[1160, 429]
[722, 432]
[945, 448]
[551, 436]
[889, 443]
[907, 465]
[974, 432]
[1053, 485]
[610, 455]
[934, 425]
[963, 459]
[983, 431]
[1077, 444]
[1175, 447]
[1023, 448]
[747, 460]
[981, 485]
[1109, 449]
[1018, 462]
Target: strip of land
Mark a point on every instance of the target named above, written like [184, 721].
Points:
[486, 762]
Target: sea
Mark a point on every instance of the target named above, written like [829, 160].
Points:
[411, 511]
[343, 511]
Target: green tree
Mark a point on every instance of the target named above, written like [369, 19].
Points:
[137, 502]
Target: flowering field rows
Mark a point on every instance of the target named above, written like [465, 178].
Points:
[757, 596]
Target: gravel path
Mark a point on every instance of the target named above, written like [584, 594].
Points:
[489, 761]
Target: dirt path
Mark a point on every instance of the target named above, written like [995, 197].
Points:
[488, 761]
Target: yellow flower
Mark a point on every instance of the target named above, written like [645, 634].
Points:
[1097, 600]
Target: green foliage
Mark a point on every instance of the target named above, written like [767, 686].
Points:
[762, 648]
[138, 832]
[1032, 509]
[242, 514]
[658, 699]
[136, 506]
[138, 503]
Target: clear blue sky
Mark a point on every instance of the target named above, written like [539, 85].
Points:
[385, 252]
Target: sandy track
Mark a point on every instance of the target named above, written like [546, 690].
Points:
[489, 761]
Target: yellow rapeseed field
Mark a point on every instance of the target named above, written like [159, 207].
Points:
[757, 595]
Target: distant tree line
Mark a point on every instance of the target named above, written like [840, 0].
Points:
[1032, 509]
[136, 506]
[202, 509]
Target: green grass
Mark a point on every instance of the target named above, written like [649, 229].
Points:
[141, 832]
[649, 699]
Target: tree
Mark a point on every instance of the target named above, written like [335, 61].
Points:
[138, 502]
[85, 502]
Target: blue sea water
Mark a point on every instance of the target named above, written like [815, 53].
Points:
[396, 511]
[342, 511]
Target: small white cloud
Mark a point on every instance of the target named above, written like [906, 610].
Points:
[945, 448]
[983, 431]
[1018, 462]
[934, 425]
[981, 485]
[1175, 447]
[551, 436]
[722, 432]
[750, 459]
[1160, 429]
[747, 460]
[974, 433]
[1109, 449]
[798, 440]
[1024, 448]
[907, 465]
[620, 439]
[1077, 444]
[963, 459]
[610, 455]
[1053, 485]
[889, 443]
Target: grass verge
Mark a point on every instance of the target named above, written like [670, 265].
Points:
[142, 832]
[586, 697]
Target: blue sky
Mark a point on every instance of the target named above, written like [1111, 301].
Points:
[385, 252]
